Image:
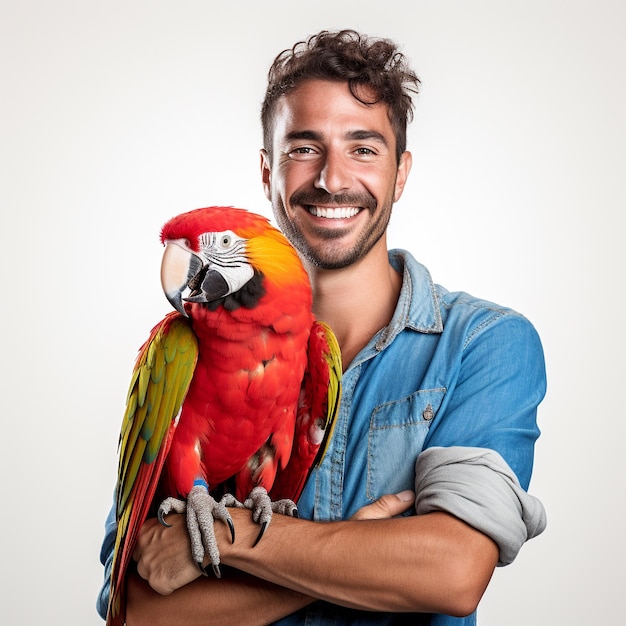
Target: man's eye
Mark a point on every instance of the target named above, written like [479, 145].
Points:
[364, 151]
[302, 151]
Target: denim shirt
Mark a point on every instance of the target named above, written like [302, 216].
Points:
[449, 370]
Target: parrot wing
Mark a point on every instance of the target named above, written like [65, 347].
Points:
[317, 410]
[161, 378]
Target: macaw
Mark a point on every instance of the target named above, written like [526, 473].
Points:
[234, 393]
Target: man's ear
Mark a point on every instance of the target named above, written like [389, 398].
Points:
[266, 174]
[406, 160]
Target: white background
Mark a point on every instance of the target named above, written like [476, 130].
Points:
[114, 116]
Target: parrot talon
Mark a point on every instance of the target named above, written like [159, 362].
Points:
[202, 568]
[231, 526]
[262, 508]
[202, 513]
[161, 518]
[264, 526]
[167, 506]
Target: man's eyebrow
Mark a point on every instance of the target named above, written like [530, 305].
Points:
[303, 134]
[353, 135]
[361, 135]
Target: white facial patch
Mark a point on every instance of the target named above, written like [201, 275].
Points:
[225, 252]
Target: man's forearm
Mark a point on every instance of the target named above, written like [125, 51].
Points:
[430, 563]
[427, 563]
[236, 598]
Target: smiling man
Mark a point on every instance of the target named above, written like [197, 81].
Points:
[422, 491]
[332, 174]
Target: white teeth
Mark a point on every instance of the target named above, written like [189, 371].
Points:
[333, 214]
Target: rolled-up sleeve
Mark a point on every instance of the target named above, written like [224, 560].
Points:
[477, 486]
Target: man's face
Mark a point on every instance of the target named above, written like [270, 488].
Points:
[333, 175]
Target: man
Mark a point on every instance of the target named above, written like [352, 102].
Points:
[440, 377]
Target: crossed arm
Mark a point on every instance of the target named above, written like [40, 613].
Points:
[370, 562]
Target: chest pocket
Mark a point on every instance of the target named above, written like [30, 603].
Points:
[396, 437]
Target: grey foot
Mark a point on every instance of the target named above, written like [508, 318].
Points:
[263, 508]
[202, 510]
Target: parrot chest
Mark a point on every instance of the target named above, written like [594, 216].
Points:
[240, 408]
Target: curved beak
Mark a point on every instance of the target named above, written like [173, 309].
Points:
[176, 271]
[185, 278]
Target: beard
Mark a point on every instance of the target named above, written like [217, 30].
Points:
[328, 252]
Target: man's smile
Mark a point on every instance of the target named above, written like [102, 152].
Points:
[334, 213]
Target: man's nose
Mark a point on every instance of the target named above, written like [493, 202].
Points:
[335, 176]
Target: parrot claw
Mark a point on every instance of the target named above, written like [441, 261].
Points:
[228, 500]
[229, 521]
[202, 511]
[216, 570]
[263, 508]
[167, 506]
[285, 507]
[161, 517]
[264, 526]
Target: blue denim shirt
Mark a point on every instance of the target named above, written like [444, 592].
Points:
[449, 370]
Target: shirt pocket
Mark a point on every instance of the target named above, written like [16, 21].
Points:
[396, 436]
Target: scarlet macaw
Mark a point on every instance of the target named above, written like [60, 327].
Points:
[235, 390]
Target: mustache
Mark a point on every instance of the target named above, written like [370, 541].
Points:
[319, 196]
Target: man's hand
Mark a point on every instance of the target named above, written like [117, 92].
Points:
[163, 555]
[386, 506]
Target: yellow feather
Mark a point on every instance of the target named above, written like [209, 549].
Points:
[158, 387]
[333, 358]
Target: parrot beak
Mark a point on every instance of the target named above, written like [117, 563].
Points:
[176, 270]
[185, 278]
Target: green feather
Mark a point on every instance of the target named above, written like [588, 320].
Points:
[159, 384]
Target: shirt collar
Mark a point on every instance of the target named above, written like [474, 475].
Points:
[418, 305]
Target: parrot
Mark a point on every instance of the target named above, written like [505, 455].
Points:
[233, 397]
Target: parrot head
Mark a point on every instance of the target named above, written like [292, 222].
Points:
[221, 255]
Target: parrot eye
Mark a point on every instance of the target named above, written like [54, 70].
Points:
[226, 241]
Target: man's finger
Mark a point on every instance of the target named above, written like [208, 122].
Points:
[387, 506]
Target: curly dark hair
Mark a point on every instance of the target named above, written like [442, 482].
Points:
[351, 57]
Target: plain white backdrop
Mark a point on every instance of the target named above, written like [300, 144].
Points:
[114, 116]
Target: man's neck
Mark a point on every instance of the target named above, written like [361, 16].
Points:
[356, 301]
